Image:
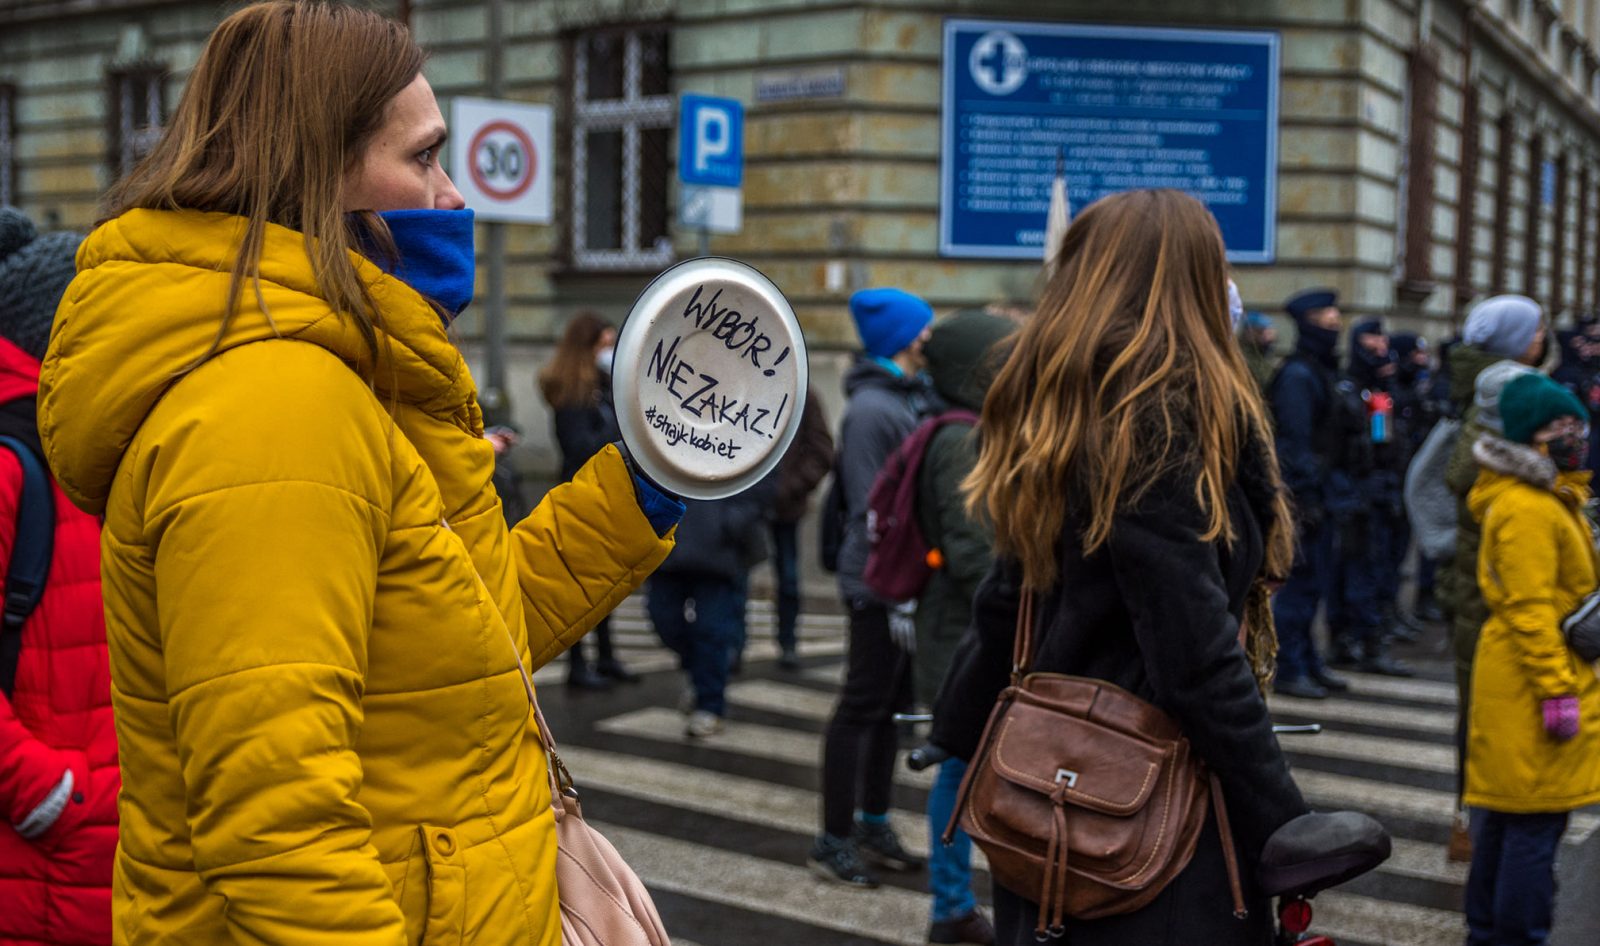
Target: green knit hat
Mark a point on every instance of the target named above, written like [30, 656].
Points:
[1531, 401]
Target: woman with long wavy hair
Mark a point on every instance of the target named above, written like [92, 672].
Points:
[577, 386]
[1127, 469]
[319, 622]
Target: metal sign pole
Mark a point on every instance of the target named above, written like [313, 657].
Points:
[494, 399]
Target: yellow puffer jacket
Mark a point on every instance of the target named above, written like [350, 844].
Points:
[311, 600]
[1535, 565]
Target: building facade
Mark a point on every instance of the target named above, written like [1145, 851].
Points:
[1430, 152]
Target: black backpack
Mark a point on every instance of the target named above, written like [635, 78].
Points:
[29, 567]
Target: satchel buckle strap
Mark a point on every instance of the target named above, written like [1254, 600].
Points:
[1053, 889]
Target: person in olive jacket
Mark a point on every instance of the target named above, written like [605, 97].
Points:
[962, 354]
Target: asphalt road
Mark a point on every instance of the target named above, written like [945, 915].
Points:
[720, 829]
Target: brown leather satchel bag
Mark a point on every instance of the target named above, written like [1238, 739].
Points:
[1086, 794]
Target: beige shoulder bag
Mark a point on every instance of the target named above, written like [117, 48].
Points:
[603, 902]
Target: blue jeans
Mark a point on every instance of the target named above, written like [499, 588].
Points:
[786, 570]
[949, 867]
[1295, 605]
[704, 644]
[1511, 890]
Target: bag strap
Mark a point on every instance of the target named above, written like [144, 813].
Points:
[31, 551]
[560, 779]
[1230, 855]
[1022, 640]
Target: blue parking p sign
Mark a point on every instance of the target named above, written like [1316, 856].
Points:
[710, 141]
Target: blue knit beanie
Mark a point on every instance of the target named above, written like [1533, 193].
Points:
[1531, 401]
[34, 272]
[1503, 325]
[889, 320]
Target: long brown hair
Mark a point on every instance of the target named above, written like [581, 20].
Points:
[572, 378]
[1127, 371]
[282, 103]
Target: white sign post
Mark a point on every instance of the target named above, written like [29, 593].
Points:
[710, 164]
[501, 158]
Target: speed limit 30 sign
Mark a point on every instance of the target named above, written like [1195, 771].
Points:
[500, 159]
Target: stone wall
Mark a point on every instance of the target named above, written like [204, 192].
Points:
[841, 188]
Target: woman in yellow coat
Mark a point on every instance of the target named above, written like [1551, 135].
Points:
[314, 607]
[1533, 745]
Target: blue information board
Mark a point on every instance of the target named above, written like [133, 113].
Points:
[1119, 108]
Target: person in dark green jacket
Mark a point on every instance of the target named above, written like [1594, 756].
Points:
[962, 358]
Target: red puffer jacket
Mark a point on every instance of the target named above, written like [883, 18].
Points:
[56, 888]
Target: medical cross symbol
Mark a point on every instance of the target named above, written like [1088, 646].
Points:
[999, 62]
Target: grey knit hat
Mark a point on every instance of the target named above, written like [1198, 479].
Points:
[1503, 325]
[1491, 381]
[34, 272]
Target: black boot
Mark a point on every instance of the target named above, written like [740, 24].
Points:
[1376, 660]
[1344, 652]
[612, 669]
[1427, 609]
[1330, 681]
[581, 676]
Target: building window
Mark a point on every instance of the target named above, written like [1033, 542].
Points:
[622, 115]
[8, 144]
[1558, 250]
[136, 112]
[1467, 194]
[1505, 140]
[1541, 185]
[1416, 238]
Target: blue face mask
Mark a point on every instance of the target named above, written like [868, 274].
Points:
[437, 257]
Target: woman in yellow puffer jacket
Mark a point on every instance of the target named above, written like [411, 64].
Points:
[1533, 743]
[314, 607]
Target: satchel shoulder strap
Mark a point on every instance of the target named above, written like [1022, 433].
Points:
[1022, 640]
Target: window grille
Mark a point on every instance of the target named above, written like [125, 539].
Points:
[1505, 140]
[137, 112]
[622, 116]
[1533, 232]
[8, 144]
[1416, 237]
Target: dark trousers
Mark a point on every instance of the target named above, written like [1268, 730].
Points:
[786, 572]
[1511, 890]
[1399, 546]
[602, 645]
[696, 616]
[858, 750]
[1355, 607]
[1427, 576]
[1295, 605]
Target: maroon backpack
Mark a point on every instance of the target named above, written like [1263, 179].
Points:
[898, 565]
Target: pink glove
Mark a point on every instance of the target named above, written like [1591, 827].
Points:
[1561, 717]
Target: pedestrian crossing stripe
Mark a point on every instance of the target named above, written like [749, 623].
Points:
[1383, 725]
[1346, 710]
[1351, 918]
[708, 873]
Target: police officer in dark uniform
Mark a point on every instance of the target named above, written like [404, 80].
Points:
[1364, 498]
[1302, 399]
[1416, 408]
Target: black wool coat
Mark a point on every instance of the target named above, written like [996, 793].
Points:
[1156, 611]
